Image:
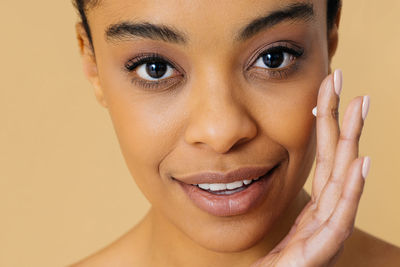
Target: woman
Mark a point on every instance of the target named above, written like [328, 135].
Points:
[212, 104]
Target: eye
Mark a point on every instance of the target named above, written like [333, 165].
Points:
[276, 58]
[276, 62]
[155, 70]
[151, 67]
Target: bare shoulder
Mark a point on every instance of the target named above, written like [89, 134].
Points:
[363, 249]
[128, 250]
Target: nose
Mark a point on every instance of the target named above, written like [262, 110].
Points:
[218, 119]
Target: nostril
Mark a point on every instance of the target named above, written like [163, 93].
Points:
[240, 142]
[221, 125]
[243, 140]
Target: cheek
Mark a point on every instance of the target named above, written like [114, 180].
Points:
[293, 122]
[292, 125]
[146, 128]
[298, 137]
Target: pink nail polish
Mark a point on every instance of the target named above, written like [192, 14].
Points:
[365, 167]
[338, 81]
[365, 106]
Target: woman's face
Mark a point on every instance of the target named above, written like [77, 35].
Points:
[212, 86]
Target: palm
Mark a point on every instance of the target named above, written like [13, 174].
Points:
[317, 236]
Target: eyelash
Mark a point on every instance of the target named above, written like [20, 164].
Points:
[280, 73]
[277, 74]
[133, 63]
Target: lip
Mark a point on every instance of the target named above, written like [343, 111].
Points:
[244, 173]
[234, 204]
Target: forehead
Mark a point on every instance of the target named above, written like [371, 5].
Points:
[198, 17]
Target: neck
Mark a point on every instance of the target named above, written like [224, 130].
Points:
[169, 246]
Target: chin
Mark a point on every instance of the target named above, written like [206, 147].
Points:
[234, 234]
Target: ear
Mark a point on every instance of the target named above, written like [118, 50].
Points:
[333, 37]
[89, 62]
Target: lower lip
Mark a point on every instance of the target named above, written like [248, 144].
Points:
[233, 204]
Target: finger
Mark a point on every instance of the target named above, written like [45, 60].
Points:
[343, 217]
[347, 148]
[340, 224]
[327, 130]
[346, 152]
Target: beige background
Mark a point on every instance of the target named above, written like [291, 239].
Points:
[64, 188]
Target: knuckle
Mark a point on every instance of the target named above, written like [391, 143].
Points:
[352, 138]
[329, 112]
[336, 182]
[323, 158]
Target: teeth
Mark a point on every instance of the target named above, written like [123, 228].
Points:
[234, 185]
[204, 186]
[230, 186]
[216, 187]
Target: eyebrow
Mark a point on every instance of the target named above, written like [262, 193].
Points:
[292, 12]
[127, 30]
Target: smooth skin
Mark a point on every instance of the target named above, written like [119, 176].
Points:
[179, 127]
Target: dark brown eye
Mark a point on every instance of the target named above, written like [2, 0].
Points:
[155, 70]
[278, 57]
[274, 60]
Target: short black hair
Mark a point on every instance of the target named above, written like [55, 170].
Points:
[82, 6]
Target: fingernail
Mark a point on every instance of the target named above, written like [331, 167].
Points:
[338, 81]
[314, 111]
[365, 167]
[365, 106]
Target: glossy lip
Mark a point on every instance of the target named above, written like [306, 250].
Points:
[244, 173]
[234, 204]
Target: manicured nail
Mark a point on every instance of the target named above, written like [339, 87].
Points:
[338, 81]
[365, 167]
[314, 111]
[365, 106]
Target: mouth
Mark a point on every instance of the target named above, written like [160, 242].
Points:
[244, 174]
[219, 199]
[234, 187]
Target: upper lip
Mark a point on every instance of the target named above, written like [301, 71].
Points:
[209, 177]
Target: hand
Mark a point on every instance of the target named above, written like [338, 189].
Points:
[317, 237]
